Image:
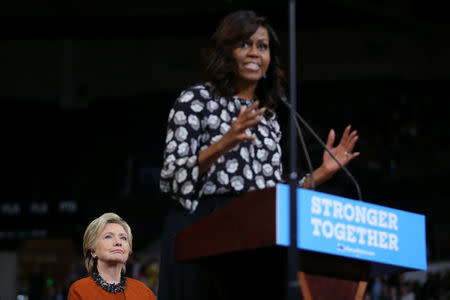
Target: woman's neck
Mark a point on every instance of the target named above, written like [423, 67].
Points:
[109, 272]
[246, 90]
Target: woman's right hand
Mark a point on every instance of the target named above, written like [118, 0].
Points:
[248, 117]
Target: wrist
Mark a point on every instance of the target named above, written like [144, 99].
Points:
[322, 174]
[223, 145]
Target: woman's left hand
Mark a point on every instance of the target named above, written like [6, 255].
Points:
[343, 151]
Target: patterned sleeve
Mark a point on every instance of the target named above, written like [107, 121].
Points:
[180, 170]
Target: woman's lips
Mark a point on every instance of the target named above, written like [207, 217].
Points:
[252, 66]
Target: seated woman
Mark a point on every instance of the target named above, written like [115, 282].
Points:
[107, 244]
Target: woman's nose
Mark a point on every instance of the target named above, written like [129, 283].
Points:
[253, 51]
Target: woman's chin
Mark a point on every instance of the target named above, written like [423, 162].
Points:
[115, 261]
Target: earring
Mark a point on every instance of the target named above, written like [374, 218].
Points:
[265, 76]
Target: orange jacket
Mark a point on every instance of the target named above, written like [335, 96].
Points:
[87, 289]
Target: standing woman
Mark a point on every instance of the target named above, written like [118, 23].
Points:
[107, 244]
[223, 139]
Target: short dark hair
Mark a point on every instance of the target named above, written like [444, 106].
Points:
[233, 29]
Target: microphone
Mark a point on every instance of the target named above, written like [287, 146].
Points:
[283, 99]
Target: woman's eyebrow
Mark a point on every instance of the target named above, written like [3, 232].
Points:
[109, 232]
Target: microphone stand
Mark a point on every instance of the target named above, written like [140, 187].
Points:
[293, 291]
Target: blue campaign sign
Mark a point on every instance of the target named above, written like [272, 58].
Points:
[345, 227]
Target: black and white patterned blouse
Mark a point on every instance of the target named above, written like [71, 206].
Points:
[197, 121]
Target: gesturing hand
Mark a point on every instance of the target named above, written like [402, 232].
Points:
[248, 117]
[343, 151]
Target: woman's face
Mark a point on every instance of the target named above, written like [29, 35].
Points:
[112, 245]
[252, 57]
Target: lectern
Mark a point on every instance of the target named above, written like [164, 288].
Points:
[341, 243]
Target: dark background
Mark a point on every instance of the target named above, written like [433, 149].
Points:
[86, 87]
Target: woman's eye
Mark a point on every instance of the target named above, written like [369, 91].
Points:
[245, 45]
[263, 47]
[124, 238]
[107, 236]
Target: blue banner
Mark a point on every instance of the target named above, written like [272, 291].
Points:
[345, 227]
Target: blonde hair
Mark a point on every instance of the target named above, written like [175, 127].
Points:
[94, 230]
